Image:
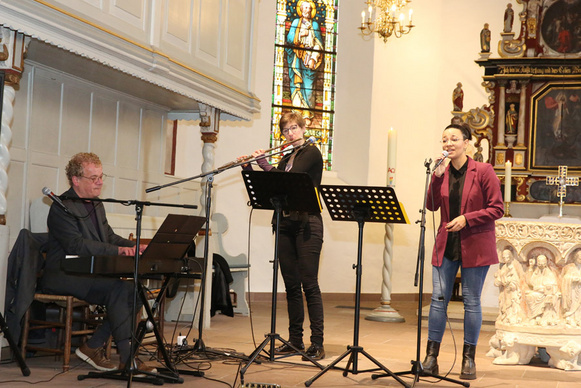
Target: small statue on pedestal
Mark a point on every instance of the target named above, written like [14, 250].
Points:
[508, 18]
[458, 98]
[485, 39]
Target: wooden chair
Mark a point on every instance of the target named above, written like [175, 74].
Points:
[65, 325]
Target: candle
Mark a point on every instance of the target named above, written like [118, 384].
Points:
[391, 156]
[507, 180]
[362, 18]
[411, 12]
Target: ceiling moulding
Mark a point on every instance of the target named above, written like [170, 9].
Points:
[68, 45]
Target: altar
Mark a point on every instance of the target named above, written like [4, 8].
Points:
[539, 282]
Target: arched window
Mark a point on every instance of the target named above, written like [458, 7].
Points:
[304, 69]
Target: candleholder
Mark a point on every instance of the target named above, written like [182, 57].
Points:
[507, 209]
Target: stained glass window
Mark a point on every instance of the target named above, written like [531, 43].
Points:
[304, 69]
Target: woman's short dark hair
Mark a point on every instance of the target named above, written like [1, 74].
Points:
[466, 134]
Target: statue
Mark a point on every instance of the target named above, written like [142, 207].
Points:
[304, 55]
[509, 281]
[543, 296]
[485, 39]
[571, 288]
[508, 18]
[458, 98]
[511, 120]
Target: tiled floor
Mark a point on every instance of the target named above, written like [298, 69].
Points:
[393, 345]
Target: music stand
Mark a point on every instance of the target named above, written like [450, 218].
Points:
[360, 204]
[278, 192]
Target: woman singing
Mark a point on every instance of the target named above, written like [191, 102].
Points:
[469, 198]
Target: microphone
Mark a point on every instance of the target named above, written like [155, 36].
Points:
[310, 140]
[445, 155]
[46, 191]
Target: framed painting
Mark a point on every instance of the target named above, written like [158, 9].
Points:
[555, 138]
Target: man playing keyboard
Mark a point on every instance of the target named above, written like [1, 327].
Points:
[82, 229]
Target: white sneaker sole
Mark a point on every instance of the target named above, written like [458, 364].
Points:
[88, 360]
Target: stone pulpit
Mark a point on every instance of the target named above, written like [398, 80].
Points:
[539, 281]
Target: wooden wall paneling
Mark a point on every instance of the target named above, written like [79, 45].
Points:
[208, 31]
[237, 36]
[76, 119]
[45, 112]
[177, 24]
[104, 127]
[128, 135]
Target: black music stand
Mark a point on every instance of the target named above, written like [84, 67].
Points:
[278, 192]
[13, 347]
[361, 204]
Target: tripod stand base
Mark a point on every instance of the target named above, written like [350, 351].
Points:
[418, 372]
[152, 378]
[270, 338]
[353, 351]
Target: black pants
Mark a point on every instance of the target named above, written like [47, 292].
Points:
[299, 248]
[115, 294]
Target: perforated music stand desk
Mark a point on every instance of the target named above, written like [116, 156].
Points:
[279, 191]
[361, 204]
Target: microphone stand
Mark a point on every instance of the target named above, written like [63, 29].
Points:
[154, 378]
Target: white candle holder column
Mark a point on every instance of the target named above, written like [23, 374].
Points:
[386, 313]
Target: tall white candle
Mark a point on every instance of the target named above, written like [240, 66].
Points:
[507, 180]
[391, 156]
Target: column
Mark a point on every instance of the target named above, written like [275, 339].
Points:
[520, 140]
[13, 45]
[501, 113]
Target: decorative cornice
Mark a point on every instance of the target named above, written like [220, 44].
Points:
[85, 39]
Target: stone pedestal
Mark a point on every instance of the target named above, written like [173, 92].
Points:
[539, 282]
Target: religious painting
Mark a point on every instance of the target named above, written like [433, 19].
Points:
[561, 26]
[304, 69]
[556, 122]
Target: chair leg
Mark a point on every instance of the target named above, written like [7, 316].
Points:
[68, 334]
[25, 331]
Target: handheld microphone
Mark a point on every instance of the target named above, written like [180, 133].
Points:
[46, 191]
[444, 156]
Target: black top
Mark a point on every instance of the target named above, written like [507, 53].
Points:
[308, 159]
[453, 250]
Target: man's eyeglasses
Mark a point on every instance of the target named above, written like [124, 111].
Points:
[95, 178]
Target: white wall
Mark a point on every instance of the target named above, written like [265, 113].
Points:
[406, 84]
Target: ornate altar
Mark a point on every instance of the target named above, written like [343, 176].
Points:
[533, 114]
[539, 280]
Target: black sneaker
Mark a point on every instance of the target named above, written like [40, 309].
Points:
[287, 349]
[316, 352]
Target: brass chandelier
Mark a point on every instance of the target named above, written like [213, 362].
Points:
[385, 17]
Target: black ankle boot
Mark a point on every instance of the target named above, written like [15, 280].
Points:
[468, 366]
[430, 364]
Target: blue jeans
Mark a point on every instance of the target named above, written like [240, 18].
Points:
[443, 283]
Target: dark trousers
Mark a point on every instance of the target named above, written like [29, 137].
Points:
[299, 250]
[115, 294]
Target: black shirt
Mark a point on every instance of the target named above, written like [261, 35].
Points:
[456, 179]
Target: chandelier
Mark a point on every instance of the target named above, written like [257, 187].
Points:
[386, 18]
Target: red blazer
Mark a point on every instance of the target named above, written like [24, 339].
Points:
[481, 205]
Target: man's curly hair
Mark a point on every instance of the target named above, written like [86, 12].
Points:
[75, 165]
